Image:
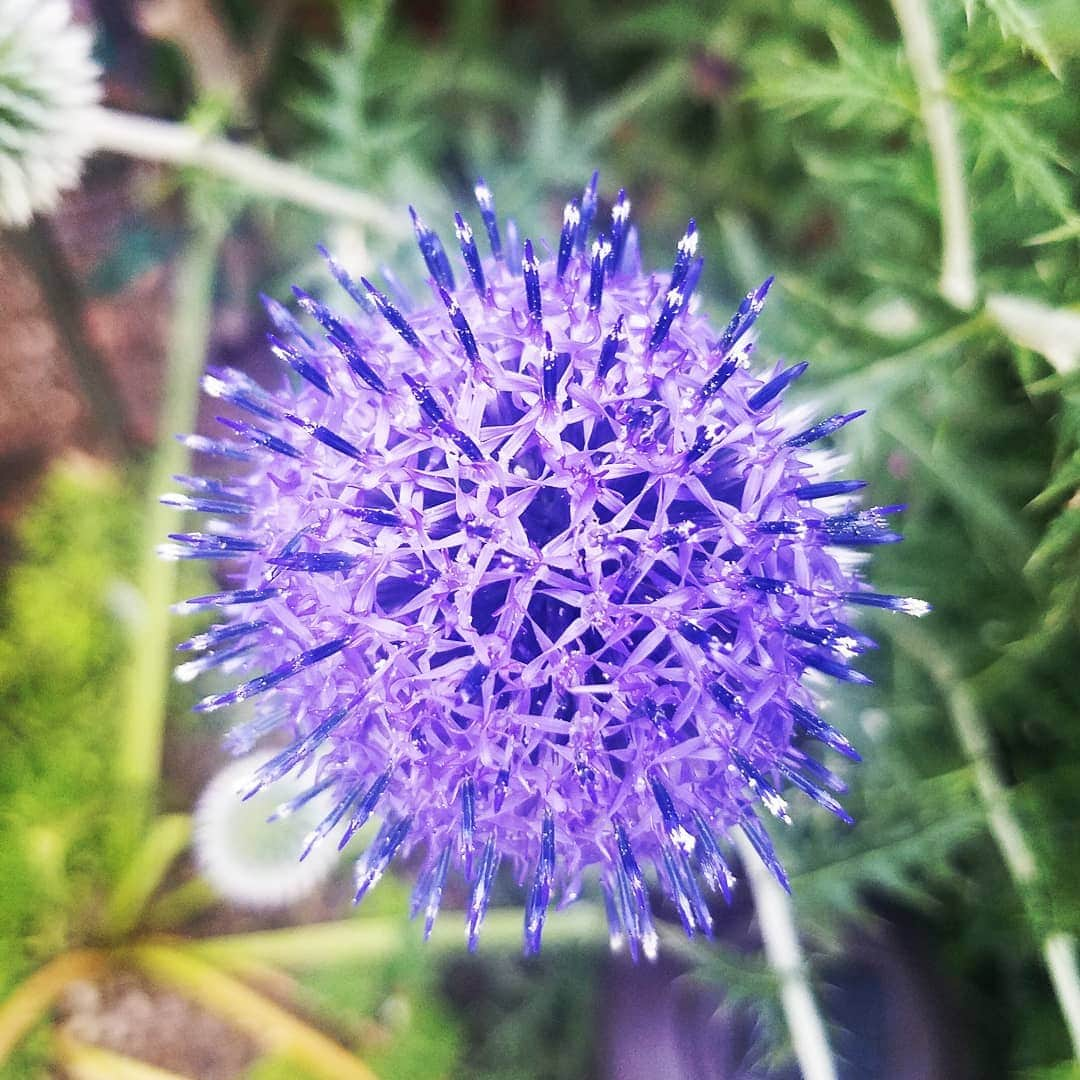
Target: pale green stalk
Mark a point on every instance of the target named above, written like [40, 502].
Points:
[779, 935]
[143, 719]
[249, 169]
[957, 282]
[370, 938]
[165, 840]
[1058, 947]
[958, 285]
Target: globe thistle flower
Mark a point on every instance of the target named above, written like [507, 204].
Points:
[48, 85]
[534, 572]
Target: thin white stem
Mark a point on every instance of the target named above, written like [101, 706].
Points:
[776, 921]
[957, 283]
[1059, 947]
[1059, 951]
[179, 144]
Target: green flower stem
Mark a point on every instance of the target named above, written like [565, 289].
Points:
[249, 169]
[369, 939]
[1059, 952]
[143, 719]
[957, 282]
[167, 837]
[776, 921]
[1059, 947]
[179, 906]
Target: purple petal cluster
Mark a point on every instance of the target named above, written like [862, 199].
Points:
[535, 570]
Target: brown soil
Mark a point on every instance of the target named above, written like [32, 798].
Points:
[140, 1020]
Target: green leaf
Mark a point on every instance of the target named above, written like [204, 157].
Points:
[1033, 161]
[1019, 23]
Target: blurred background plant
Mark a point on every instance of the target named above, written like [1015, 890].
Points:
[908, 173]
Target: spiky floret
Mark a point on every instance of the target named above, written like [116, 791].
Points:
[49, 84]
[535, 573]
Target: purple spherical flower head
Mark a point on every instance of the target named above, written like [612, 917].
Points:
[534, 570]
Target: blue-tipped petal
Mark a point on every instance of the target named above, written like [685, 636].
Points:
[481, 894]
[284, 322]
[530, 271]
[808, 787]
[755, 832]
[284, 671]
[824, 428]
[225, 599]
[287, 809]
[394, 317]
[373, 863]
[835, 668]
[685, 252]
[714, 867]
[827, 488]
[372, 515]
[540, 895]
[330, 822]
[486, 201]
[326, 437]
[316, 562]
[673, 303]
[303, 367]
[345, 280]
[908, 605]
[601, 252]
[589, 202]
[218, 635]
[620, 226]
[203, 505]
[549, 371]
[356, 361]
[571, 221]
[260, 437]
[226, 384]
[776, 386]
[461, 326]
[816, 728]
[434, 891]
[367, 806]
[614, 340]
[744, 318]
[223, 448]
[434, 253]
[716, 380]
[469, 254]
[468, 824]
[770, 798]
[286, 760]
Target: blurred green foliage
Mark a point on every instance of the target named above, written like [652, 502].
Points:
[62, 644]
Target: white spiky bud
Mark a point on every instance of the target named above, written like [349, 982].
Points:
[49, 86]
[247, 862]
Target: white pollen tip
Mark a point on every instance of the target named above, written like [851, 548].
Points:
[910, 606]
[650, 946]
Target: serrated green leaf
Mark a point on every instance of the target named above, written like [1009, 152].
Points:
[1020, 23]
